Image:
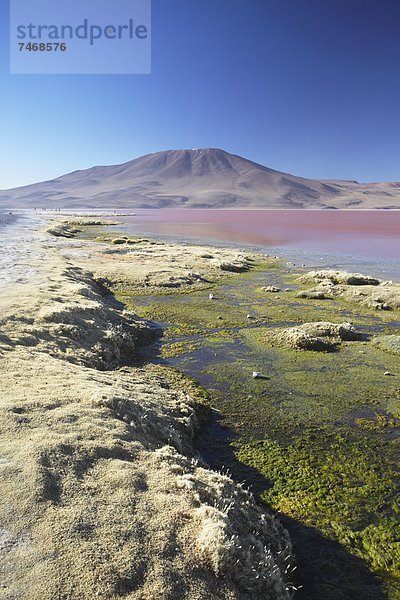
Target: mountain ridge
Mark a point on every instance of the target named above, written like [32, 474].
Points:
[197, 178]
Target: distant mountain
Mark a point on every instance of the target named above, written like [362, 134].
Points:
[203, 178]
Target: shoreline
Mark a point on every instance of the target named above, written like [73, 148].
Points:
[20, 248]
[283, 236]
[102, 491]
[385, 269]
[78, 336]
[222, 354]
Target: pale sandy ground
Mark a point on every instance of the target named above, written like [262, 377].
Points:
[354, 287]
[143, 264]
[102, 495]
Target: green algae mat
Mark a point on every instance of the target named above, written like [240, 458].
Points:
[317, 435]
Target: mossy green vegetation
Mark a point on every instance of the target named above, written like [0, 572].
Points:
[178, 348]
[343, 485]
[189, 310]
[304, 388]
[389, 343]
[380, 423]
[329, 468]
[320, 430]
[183, 382]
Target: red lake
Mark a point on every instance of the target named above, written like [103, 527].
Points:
[365, 234]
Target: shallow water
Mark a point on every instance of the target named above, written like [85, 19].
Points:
[7, 219]
[18, 233]
[342, 239]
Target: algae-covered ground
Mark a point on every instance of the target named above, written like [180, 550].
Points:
[316, 434]
[309, 427]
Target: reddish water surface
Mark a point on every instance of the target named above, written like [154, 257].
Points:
[374, 234]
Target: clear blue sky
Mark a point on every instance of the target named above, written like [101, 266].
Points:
[311, 87]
